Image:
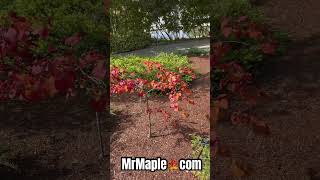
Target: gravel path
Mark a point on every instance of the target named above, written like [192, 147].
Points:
[172, 47]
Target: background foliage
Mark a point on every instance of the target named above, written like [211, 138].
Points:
[68, 17]
[132, 21]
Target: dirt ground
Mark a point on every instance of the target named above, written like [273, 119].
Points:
[299, 18]
[52, 141]
[293, 110]
[130, 137]
[293, 148]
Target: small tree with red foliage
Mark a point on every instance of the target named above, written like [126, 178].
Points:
[165, 82]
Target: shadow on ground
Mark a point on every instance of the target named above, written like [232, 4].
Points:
[55, 140]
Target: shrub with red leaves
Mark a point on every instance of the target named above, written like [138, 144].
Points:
[165, 82]
[242, 44]
[27, 77]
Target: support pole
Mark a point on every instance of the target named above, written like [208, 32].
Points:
[100, 135]
[149, 117]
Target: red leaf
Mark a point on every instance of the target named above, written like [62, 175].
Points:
[32, 89]
[51, 49]
[191, 101]
[14, 17]
[36, 69]
[225, 22]
[100, 70]
[23, 28]
[31, 95]
[49, 86]
[11, 35]
[100, 104]
[188, 92]
[73, 40]
[43, 32]
[220, 49]
[254, 32]
[260, 127]
[65, 81]
[268, 48]
[175, 106]
[227, 31]
[141, 94]
[242, 18]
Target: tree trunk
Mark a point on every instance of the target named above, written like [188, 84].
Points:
[211, 40]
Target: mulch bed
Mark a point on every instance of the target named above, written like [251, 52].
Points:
[297, 17]
[55, 140]
[292, 111]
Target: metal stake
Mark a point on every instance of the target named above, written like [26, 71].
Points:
[100, 135]
[149, 117]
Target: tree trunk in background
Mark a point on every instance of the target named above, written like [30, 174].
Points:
[107, 137]
[107, 10]
[212, 125]
[211, 41]
[107, 6]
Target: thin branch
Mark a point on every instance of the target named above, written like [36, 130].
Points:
[149, 116]
[239, 42]
[96, 81]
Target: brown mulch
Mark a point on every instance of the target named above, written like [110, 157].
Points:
[51, 140]
[292, 82]
[171, 141]
[299, 18]
[201, 64]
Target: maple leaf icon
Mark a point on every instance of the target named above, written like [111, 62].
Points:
[173, 165]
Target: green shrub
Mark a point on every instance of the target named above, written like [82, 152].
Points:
[135, 63]
[130, 26]
[129, 41]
